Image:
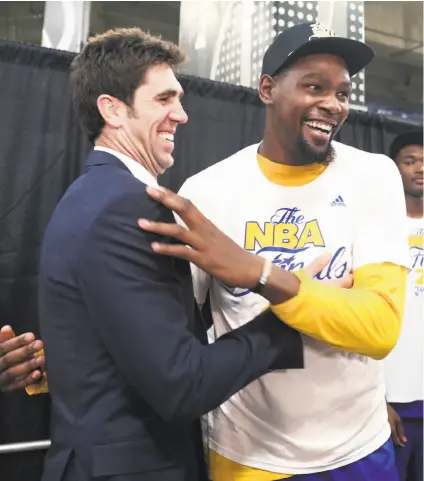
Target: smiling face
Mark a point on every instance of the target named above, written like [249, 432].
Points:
[306, 106]
[145, 129]
[410, 163]
[155, 115]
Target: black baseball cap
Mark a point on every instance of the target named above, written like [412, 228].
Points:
[412, 137]
[314, 38]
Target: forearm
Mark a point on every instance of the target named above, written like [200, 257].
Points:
[365, 319]
[223, 368]
[281, 286]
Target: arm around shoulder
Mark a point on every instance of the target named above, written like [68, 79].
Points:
[135, 298]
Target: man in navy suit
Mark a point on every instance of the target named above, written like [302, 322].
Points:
[129, 369]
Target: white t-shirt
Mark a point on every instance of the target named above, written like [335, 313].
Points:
[333, 412]
[404, 365]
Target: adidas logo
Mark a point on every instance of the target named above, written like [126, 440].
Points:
[338, 202]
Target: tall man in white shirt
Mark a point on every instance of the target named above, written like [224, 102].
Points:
[288, 199]
[404, 365]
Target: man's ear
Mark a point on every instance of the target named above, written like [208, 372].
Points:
[112, 110]
[266, 87]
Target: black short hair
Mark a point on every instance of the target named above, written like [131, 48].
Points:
[412, 137]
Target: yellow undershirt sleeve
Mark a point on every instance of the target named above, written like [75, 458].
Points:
[366, 319]
[41, 387]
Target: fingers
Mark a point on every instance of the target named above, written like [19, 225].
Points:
[183, 207]
[21, 354]
[395, 438]
[396, 427]
[316, 266]
[15, 373]
[21, 375]
[6, 333]
[23, 381]
[165, 229]
[22, 341]
[180, 251]
[400, 432]
[17, 359]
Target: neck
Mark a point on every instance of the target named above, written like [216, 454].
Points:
[272, 150]
[414, 206]
[109, 142]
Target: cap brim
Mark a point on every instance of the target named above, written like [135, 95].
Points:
[356, 55]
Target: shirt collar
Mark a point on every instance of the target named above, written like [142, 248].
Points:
[136, 169]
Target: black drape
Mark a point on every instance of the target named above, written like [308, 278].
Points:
[42, 151]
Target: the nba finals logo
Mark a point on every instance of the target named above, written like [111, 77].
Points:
[416, 249]
[287, 239]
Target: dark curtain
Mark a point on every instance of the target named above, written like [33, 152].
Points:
[42, 151]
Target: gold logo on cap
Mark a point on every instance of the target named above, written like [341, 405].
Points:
[320, 30]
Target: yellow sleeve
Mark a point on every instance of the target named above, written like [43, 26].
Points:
[365, 319]
[40, 387]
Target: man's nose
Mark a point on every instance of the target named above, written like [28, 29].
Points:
[331, 104]
[179, 115]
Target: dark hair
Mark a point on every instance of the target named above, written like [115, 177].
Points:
[281, 72]
[410, 137]
[115, 63]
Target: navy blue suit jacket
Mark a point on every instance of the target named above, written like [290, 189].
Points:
[129, 369]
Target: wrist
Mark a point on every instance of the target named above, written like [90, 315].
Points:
[253, 270]
[281, 286]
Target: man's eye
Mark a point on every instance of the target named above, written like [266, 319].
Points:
[316, 88]
[345, 94]
[163, 99]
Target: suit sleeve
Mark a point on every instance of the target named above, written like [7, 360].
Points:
[134, 298]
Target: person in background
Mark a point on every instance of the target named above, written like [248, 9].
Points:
[404, 365]
[288, 199]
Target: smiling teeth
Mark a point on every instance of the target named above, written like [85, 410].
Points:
[169, 137]
[320, 125]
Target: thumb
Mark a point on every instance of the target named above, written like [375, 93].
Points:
[318, 264]
[6, 333]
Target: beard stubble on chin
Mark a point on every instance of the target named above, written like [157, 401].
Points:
[306, 155]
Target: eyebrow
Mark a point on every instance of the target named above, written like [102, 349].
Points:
[318, 76]
[170, 93]
[411, 156]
